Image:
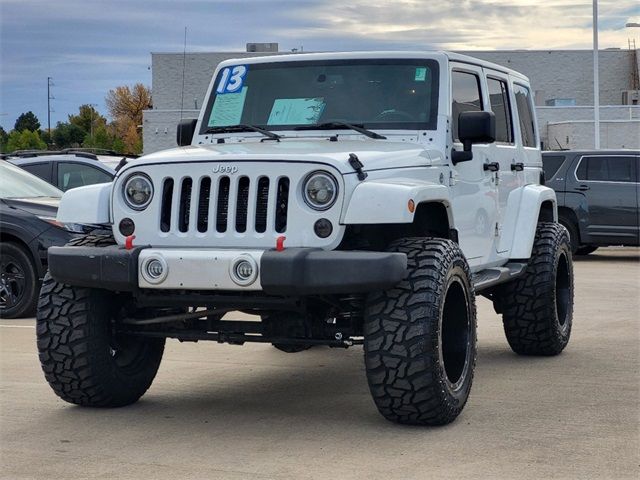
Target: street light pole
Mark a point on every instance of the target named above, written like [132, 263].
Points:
[596, 79]
[93, 107]
[49, 106]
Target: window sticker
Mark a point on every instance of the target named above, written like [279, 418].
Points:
[421, 74]
[296, 111]
[231, 79]
[227, 109]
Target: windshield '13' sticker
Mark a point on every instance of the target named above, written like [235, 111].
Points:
[231, 79]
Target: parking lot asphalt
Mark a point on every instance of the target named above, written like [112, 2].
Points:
[221, 411]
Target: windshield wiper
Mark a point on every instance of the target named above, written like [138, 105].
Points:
[243, 127]
[338, 124]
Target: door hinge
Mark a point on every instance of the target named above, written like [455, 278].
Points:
[452, 178]
[498, 230]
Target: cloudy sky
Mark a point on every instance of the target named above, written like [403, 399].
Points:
[91, 46]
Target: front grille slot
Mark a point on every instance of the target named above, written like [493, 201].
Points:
[262, 204]
[165, 205]
[223, 204]
[282, 204]
[242, 204]
[203, 204]
[185, 204]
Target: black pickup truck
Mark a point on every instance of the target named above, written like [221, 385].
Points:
[598, 196]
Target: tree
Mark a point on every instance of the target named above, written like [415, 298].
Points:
[27, 121]
[68, 135]
[46, 137]
[126, 106]
[4, 137]
[24, 140]
[88, 119]
[127, 103]
[103, 137]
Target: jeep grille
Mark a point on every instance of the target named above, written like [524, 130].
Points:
[250, 197]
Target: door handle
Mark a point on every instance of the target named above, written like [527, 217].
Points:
[517, 167]
[492, 166]
[582, 188]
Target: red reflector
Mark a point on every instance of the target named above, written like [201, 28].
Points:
[280, 243]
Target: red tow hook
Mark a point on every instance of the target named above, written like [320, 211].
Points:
[280, 243]
[128, 242]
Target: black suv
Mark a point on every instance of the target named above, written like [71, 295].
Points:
[597, 193]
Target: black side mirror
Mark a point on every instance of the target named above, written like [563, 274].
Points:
[186, 129]
[474, 127]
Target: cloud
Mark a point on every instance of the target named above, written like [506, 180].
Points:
[89, 47]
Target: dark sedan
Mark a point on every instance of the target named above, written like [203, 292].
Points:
[28, 226]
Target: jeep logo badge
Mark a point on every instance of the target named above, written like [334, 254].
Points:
[225, 169]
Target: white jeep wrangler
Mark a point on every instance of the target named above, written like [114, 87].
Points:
[345, 199]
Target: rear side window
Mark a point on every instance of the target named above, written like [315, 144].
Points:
[525, 113]
[499, 98]
[607, 169]
[42, 170]
[72, 175]
[551, 164]
[466, 96]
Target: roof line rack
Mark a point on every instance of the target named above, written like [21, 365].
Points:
[40, 153]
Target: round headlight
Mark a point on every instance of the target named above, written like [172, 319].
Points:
[320, 190]
[138, 191]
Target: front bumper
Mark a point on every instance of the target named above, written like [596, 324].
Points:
[293, 271]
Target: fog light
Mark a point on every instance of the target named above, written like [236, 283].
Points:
[127, 227]
[244, 270]
[155, 269]
[323, 228]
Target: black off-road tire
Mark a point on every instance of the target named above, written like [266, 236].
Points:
[537, 307]
[84, 362]
[93, 240]
[19, 284]
[420, 336]
[574, 235]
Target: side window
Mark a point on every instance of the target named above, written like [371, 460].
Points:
[607, 169]
[72, 175]
[551, 164]
[42, 170]
[499, 98]
[466, 96]
[622, 169]
[525, 113]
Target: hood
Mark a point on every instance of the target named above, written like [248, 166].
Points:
[374, 154]
[40, 206]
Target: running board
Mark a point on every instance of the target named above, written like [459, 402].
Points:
[491, 277]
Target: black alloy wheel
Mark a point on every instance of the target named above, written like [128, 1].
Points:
[18, 282]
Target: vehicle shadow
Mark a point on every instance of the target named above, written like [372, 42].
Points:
[328, 396]
[627, 256]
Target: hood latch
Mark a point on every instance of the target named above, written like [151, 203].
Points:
[357, 165]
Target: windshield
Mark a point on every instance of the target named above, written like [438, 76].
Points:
[18, 183]
[375, 94]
